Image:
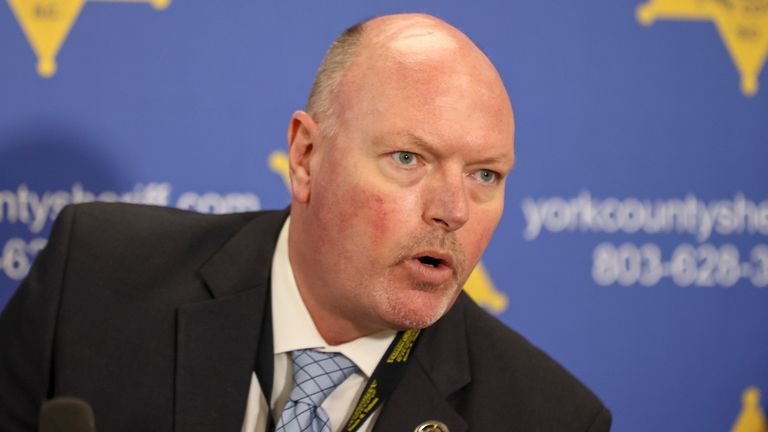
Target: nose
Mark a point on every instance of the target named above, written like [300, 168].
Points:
[446, 203]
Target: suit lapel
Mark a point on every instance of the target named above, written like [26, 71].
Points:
[440, 367]
[218, 341]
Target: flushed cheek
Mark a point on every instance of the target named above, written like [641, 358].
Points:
[474, 243]
[381, 215]
[375, 213]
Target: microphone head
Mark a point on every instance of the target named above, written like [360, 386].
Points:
[66, 414]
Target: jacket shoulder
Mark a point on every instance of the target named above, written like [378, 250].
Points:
[522, 381]
[149, 230]
[139, 247]
[142, 218]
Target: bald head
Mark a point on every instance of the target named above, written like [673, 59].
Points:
[407, 41]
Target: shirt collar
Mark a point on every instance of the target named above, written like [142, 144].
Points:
[293, 328]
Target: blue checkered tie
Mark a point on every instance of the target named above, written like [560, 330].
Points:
[315, 375]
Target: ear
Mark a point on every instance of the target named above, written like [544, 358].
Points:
[303, 133]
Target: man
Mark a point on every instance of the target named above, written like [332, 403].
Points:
[165, 320]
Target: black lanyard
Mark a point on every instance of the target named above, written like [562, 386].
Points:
[385, 378]
[379, 387]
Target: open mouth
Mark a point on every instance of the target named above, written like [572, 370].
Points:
[431, 268]
[430, 261]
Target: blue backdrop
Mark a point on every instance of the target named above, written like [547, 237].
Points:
[633, 247]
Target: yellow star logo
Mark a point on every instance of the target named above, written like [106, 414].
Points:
[743, 26]
[751, 418]
[479, 286]
[46, 24]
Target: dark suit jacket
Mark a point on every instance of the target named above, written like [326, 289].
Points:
[154, 316]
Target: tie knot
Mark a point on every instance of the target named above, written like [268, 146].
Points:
[316, 374]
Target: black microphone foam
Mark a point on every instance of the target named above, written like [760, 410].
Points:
[66, 414]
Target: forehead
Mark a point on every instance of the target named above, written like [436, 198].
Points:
[430, 95]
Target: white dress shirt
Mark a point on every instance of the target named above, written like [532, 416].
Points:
[293, 329]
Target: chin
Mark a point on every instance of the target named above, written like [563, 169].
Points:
[417, 309]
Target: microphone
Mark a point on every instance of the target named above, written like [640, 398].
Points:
[66, 414]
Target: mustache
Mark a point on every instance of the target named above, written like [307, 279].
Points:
[435, 240]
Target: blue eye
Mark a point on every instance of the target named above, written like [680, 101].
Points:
[486, 176]
[404, 158]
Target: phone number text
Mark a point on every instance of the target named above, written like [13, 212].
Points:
[702, 265]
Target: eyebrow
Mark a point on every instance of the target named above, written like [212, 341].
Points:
[426, 146]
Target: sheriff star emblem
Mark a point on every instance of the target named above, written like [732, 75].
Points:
[743, 26]
[46, 24]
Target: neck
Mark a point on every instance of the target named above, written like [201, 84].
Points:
[333, 328]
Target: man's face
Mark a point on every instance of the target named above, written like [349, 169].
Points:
[406, 195]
